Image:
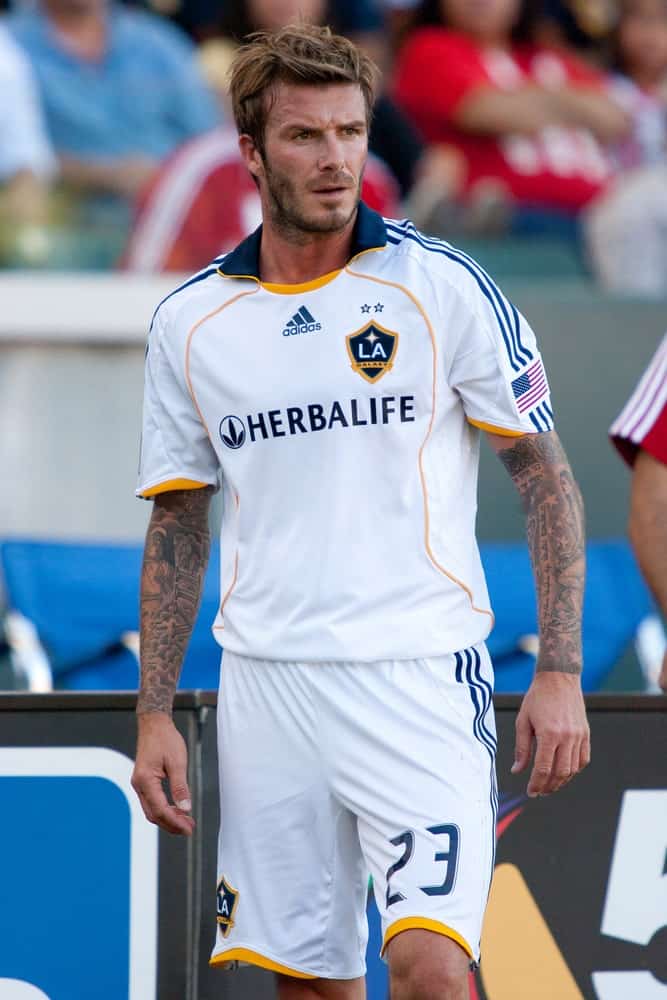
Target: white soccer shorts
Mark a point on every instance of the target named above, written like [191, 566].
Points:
[332, 771]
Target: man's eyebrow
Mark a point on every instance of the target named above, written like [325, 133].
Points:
[311, 127]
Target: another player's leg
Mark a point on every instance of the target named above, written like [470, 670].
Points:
[321, 989]
[427, 966]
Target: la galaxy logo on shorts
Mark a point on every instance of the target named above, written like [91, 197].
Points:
[372, 351]
[227, 901]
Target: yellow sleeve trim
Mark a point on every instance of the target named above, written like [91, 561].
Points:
[424, 924]
[503, 431]
[305, 286]
[173, 484]
[254, 958]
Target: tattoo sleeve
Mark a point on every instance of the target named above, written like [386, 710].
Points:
[175, 557]
[555, 529]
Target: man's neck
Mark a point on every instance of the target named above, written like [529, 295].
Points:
[291, 259]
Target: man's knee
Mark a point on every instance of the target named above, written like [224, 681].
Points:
[424, 965]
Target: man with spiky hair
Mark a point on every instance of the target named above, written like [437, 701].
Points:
[335, 373]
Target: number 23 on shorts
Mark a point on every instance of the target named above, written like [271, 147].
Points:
[448, 857]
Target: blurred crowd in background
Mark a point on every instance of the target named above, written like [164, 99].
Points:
[499, 120]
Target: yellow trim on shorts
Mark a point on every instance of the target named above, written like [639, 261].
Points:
[503, 431]
[424, 924]
[304, 286]
[174, 484]
[254, 958]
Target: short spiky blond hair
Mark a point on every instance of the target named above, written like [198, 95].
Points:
[299, 53]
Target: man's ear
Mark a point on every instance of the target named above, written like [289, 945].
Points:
[251, 156]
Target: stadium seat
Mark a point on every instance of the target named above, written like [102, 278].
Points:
[83, 599]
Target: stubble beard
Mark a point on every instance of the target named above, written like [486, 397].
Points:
[288, 216]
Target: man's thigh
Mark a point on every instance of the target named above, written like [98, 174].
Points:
[292, 881]
[419, 773]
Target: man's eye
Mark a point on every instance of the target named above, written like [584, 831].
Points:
[304, 134]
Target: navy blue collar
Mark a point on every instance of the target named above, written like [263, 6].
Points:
[243, 261]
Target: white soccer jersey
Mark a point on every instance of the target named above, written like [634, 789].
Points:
[342, 416]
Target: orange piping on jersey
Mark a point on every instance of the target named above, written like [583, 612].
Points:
[201, 417]
[174, 484]
[427, 524]
[254, 958]
[229, 590]
[424, 924]
[194, 329]
[503, 431]
[363, 253]
[304, 286]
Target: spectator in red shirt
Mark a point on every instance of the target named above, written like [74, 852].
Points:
[531, 122]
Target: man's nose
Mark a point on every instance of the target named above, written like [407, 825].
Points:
[332, 153]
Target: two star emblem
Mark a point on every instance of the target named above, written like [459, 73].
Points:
[378, 307]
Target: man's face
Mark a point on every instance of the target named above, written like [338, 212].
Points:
[315, 149]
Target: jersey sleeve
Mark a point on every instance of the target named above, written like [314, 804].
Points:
[176, 452]
[642, 423]
[496, 367]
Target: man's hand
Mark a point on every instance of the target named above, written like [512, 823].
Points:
[162, 754]
[553, 717]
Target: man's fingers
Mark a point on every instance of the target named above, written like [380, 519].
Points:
[585, 752]
[178, 786]
[564, 767]
[524, 743]
[157, 808]
[543, 766]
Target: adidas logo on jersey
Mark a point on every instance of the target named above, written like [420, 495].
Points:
[301, 322]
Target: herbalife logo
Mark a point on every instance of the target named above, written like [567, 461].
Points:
[232, 432]
[301, 322]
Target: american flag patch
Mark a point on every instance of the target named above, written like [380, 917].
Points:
[530, 388]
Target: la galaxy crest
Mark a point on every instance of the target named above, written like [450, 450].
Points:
[227, 901]
[372, 351]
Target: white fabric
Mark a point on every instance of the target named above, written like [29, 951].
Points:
[322, 766]
[349, 505]
[647, 402]
[23, 140]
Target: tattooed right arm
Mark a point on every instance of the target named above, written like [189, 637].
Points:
[175, 558]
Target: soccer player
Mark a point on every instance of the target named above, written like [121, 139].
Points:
[640, 435]
[335, 371]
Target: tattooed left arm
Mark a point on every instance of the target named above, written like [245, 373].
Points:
[552, 714]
